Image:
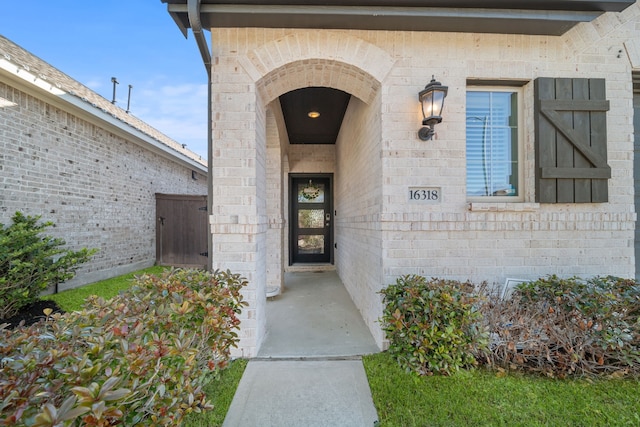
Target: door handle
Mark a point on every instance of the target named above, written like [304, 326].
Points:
[327, 218]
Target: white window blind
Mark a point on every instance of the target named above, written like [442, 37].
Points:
[492, 143]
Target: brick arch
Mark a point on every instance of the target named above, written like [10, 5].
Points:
[331, 59]
[318, 72]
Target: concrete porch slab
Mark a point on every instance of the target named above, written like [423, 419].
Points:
[315, 317]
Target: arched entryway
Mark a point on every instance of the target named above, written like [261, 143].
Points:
[286, 160]
[268, 160]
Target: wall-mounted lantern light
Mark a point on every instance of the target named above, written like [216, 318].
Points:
[432, 100]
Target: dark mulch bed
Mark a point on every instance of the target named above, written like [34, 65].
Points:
[32, 313]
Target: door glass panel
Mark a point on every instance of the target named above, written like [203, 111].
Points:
[310, 192]
[311, 244]
[311, 228]
[311, 218]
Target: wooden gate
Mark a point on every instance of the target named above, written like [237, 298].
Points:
[181, 230]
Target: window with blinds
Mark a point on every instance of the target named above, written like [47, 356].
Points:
[492, 125]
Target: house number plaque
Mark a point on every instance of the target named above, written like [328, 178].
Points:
[425, 194]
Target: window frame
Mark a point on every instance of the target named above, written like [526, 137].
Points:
[519, 91]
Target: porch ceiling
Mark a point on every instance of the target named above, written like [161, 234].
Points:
[329, 103]
[543, 17]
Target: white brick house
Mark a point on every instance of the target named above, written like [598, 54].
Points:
[529, 173]
[77, 160]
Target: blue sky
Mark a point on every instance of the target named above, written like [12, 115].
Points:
[135, 41]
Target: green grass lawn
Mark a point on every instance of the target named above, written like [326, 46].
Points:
[220, 392]
[73, 299]
[482, 398]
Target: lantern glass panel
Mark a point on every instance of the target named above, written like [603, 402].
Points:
[427, 105]
[438, 102]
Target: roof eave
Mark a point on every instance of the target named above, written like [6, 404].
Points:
[441, 19]
[16, 76]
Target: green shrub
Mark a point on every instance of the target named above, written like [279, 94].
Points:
[140, 358]
[30, 262]
[433, 326]
[563, 327]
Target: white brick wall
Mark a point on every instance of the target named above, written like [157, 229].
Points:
[98, 188]
[358, 204]
[275, 202]
[380, 235]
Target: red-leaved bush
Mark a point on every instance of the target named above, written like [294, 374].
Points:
[140, 358]
[551, 326]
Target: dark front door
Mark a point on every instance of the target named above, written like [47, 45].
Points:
[311, 219]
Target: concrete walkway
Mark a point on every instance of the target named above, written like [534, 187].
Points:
[308, 372]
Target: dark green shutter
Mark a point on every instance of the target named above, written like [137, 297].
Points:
[571, 141]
